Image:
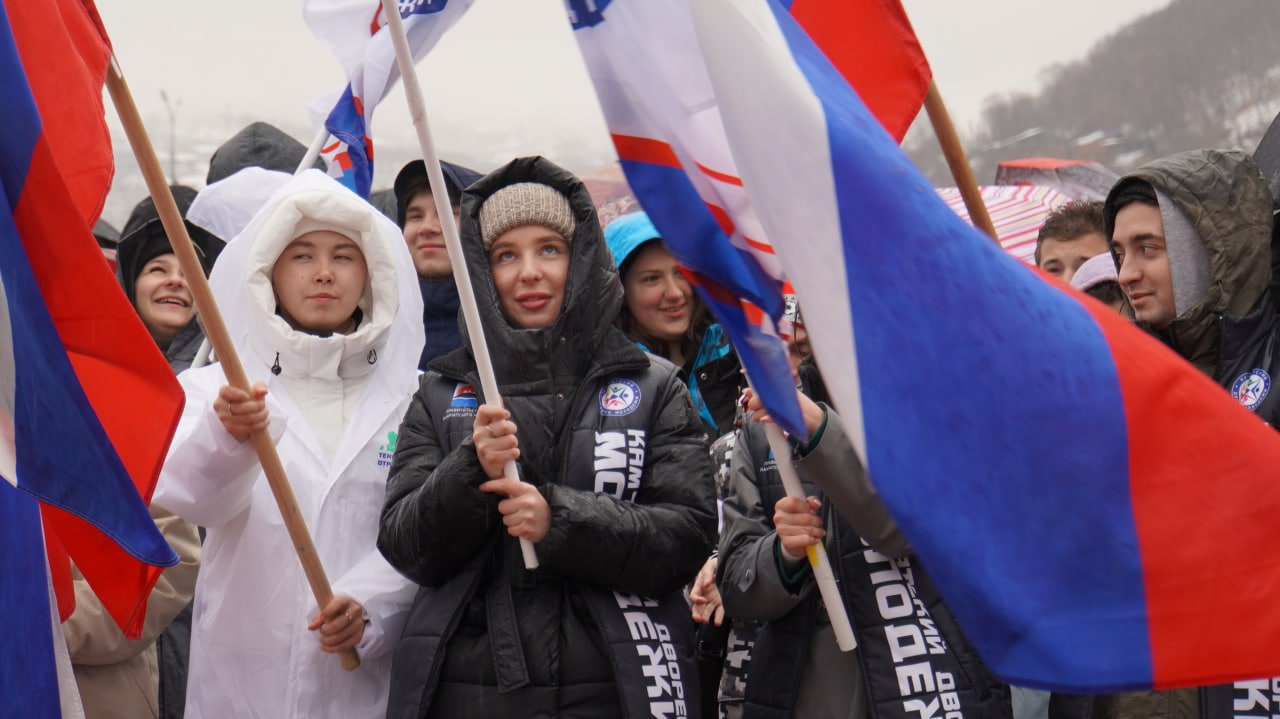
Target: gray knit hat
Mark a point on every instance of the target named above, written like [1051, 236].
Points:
[525, 203]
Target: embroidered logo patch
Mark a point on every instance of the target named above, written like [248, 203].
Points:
[464, 395]
[619, 398]
[1251, 388]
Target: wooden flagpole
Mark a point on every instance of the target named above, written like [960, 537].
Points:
[957, 161]
[453, 244]
[216, 330]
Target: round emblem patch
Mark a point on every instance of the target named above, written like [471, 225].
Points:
[619, 397]
[1251, 388]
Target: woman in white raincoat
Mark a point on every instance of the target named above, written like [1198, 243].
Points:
[323, 304]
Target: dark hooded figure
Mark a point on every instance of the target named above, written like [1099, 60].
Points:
[418, 220]
[258, 145]
[154, 284]
[617, 497]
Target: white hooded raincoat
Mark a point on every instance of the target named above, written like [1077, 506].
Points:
[335, 405]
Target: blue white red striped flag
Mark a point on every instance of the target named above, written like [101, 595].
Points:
[1098, 513]
[660, 105]
[660, 108]
[356, 31]
[87, 402]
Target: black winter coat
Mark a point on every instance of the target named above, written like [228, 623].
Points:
[485, 637]
[788, 666]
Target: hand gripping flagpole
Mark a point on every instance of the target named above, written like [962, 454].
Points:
[817, 553]
[439, 191]
[216, 330]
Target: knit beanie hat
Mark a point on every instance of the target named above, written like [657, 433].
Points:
[525, 203]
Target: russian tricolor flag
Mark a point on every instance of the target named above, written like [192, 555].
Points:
[87, 403]
[660, 107]
[1099, 515]
[357, 33]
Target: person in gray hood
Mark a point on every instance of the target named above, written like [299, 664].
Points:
[1190, 235]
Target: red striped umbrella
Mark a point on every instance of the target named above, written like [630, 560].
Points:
[1017, 211]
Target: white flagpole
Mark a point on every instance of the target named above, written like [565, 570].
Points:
[817, 553]
[453, 243]
[313, 152]
[68, 689]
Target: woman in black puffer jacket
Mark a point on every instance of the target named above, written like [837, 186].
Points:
[619, 501]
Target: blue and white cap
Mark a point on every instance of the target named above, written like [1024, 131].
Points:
[628, 232]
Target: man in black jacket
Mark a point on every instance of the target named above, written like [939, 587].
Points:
[423, 231]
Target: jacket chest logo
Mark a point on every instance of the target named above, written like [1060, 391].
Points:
[464, 402]
[619, 398]
[1251, 388]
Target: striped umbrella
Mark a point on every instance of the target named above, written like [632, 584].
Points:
[1017, 211]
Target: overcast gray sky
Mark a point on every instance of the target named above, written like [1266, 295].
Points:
[508, 79]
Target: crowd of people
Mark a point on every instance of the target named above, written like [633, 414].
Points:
[672, 577]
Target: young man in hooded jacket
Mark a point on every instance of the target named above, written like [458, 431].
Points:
[1191, 237]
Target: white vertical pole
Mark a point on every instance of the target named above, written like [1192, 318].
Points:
[453, 243]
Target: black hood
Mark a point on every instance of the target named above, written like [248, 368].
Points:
[456, 179]
[385, 201]
[106, 235]
[143, 239]
[258, 145]
[593, 293]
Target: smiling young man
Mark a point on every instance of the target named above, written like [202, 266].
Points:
[1191, 238]
[424, 234]
[1069, 237]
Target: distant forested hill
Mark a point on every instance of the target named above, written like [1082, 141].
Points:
[1200, 73]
